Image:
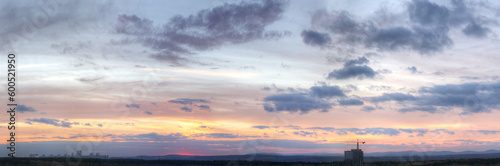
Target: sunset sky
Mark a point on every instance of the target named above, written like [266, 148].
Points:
[220, 77]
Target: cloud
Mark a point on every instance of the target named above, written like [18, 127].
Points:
[371, 131]
[147, 112]
[186, 109]
[23, 108]
[413, 70]
[223, 135]
[439, 131]
[359, 72]
[260, 127]
[350, 102]
[420, 132]
[315, 38]
[132, 105]
[100, 125]
[353, 69]
[293, 127]
[470, 142]
[368, 108]
[487, 132]
[429, 109]
[266, 88]
[471, 97]
[305, 133]
[54, 122]
[204, 107]
[294, 102]
[424, 12]
[205, 30]
[303, 101]
[476, 30]
[87, 124]
[28, 20]
[90, 80]
[376, 131]
[187, 101]
[326, 91]
[152, 137]
[380, 131]
[359, 61]
[426, 33]
[392, 97]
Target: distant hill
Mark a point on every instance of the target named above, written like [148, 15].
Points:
[403, 156]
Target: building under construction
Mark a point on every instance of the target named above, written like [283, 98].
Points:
[354, 157]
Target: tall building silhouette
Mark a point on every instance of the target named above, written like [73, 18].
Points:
[354, 157]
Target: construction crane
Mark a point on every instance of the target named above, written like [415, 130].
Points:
[357, 144]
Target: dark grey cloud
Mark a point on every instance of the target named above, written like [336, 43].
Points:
[134, 25]
[427, 33]
[471, 97]
[260, 127]
[353, 69]
[295, 102]
[359, 72]
[100, 125]
[23, 108]
[315, 38]
[359, 61]
[205, 30]
[302, 100]
[42, 19]
[451, 89]
[132, 106]
[186, 109]
[350, 102]
[476, 30]
[326, 91]
[54, 122]
[427, 13]
[147, 112]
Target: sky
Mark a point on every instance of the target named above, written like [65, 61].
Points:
[218, 77]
